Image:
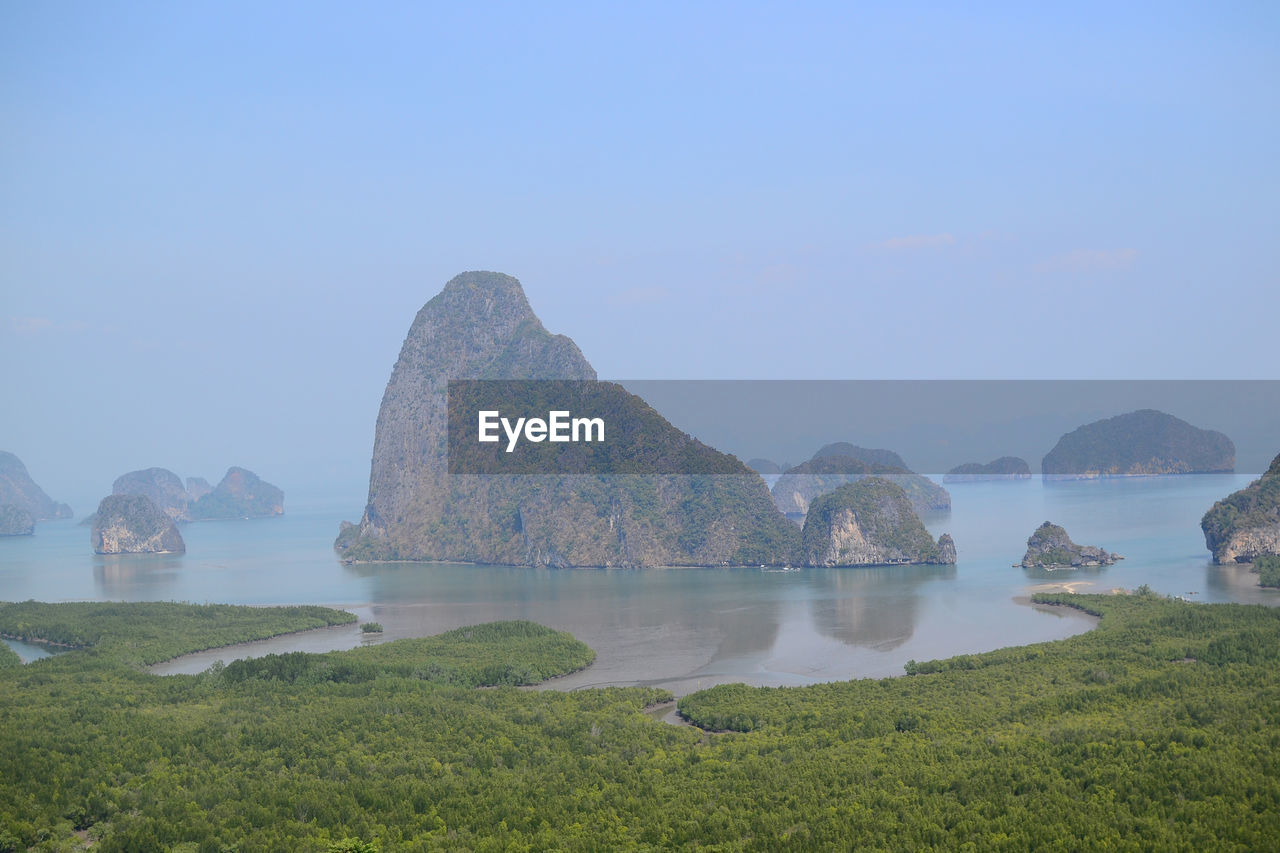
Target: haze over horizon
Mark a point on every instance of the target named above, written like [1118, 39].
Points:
[220, 220]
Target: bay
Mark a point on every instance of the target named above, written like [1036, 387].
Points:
[685, 629]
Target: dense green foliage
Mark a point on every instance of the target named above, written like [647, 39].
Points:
[498, 653]
[8, 657]
[371, 627]
[153, 631]
[1158, 730]
[1268, 568]
[1141, 442]
[1256, 505]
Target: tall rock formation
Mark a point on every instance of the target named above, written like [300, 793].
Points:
[866, 523]
[132, 524]
[17, 488]
[161, 486]
[1245, 525]
[481, 327]
[1138, 444]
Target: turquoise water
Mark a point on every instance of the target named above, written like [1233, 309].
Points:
[690, 628]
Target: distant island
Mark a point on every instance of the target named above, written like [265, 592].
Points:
[19, 490]
[159, 485]
[132, 524]
[870, 522]
[1245, 525]
[1138, 444]
[1004, 468]
[240, 494]
[1051, 548]
[796, 489]
[482, 327]
[765, 466]
[870, 455]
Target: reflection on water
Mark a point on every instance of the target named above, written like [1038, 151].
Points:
[872, 607]
[122, 576]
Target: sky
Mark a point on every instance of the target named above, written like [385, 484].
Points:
[217, 220]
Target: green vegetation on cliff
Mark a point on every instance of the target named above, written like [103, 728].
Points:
[1157, 730]
[868, 522]
[1246, 524]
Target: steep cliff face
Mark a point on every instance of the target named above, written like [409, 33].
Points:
[1139, 444]
[481, 327]
[16, 521]
[869, 522]
[17, 488]
[1051, 547]
[159, 485]
[1246, 524]
[796, 489]
[1004, 468]
[132, 524]
[240, 494]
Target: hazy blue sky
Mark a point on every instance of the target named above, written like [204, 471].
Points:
[217, 220]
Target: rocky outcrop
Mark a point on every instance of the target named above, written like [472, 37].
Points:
[197, 487]
[16, 521]
[241, 494]
[796, 489]
[1245, 525]
[481, 327]
[1051, 548]
[17, 488]
[132, 524]
[159, 485]
[869, 523]
[1140, 444]
[1004, 468]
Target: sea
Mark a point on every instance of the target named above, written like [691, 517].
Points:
[683, 629]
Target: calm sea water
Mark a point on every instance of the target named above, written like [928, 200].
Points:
[689, 628]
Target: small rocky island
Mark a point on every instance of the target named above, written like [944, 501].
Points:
[1245, 525]
[1004, 468]
[18, 489]
[795, 490]
[16, 521]
[1144, 443]
[870, 522]
[1051, 548]
[241, 494]
[132, 524]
